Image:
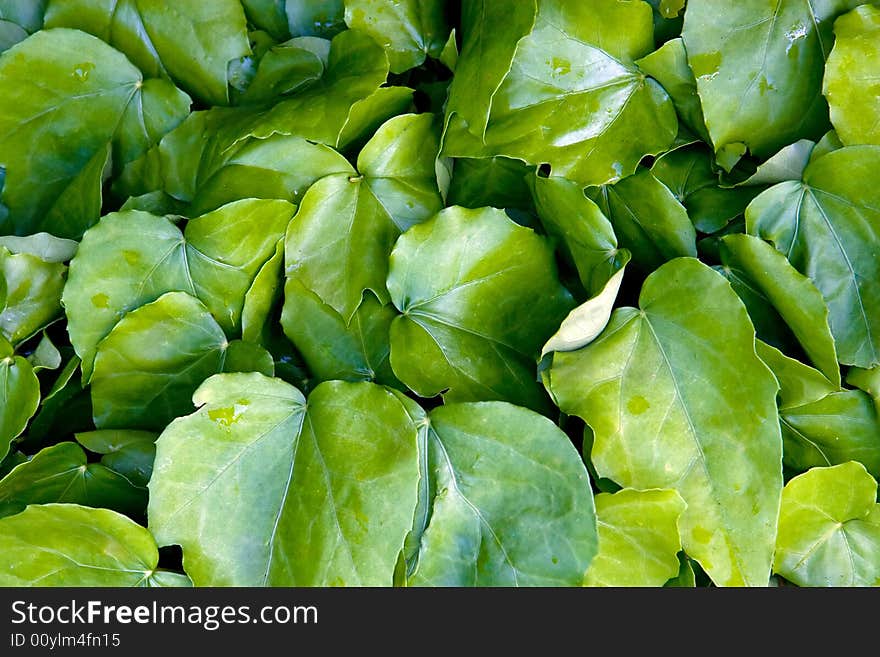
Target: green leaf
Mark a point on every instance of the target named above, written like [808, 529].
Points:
[248, 357]
[497, 182]
[649, 221]
[152, 360]
[71, 545]
[829, 528]
[585, 236]
[155, 203]
[332, 349]
[284, 69]
[486, 55]
[10, 34]
[850, 84]
[339, 242]
[42, 245]
[128, 452]
[449, 55]
[500, 475]
[408, 30]
[322, 18]
[216, 259]
[45, 356]
[69, 83]
[788, 164]
[156, 110]
[281, 167]
[473, 319]
[690, 176]
[33, 294]
[61, 473]
[824, 226]
[588, 320]
[356, 67]
[19, 396]
[759, 69]
[26, 13]
[798, 383]
[563, 100]
[260, 489]
[268, 15]
[260, 298]
[191, 42]
[842, 426]
[398, 164]
[867, 380]
[793, 296]
[64, 409]
[638, 538]
[686, 577]
[669, 66]
[677, 398]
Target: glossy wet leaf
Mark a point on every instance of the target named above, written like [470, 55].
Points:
[569, 96]
[32, 298]
[72, 545]
[677, 398]
[260, 489]
[648, 220]
[851, 84]
[409, 30]
[499, 475]
[473, 319]
[61, 473]
[824, 225]
[216, 259]
[192, 42]
[67, 82]
[829, 528]
[759, 69]
[638, 538]
[793, 296]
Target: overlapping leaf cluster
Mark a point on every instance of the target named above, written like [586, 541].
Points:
[509, 292]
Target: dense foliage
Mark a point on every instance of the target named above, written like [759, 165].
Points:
[426, 292]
